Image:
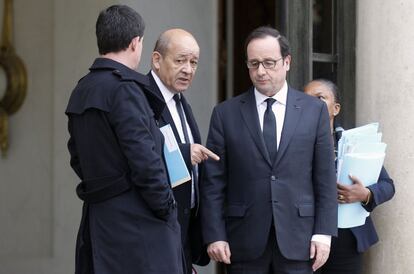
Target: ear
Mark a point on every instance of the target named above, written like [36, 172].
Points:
[337, 109]
[286, 62]
[135, 43]
[156, 59]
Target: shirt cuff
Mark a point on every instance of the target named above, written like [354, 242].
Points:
[320, 238]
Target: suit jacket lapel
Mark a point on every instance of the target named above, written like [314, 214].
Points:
[292, 116]
[166, 117]
[250, 116]
[191, 120]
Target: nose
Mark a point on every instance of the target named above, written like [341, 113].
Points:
[261, 70]
[187, 67]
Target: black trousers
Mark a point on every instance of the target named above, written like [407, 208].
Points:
[187, 221]
[270, 262]
[344, 257]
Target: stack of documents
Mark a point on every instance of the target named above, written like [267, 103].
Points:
[361, 154]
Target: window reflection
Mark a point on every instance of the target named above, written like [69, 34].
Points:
[323, 26]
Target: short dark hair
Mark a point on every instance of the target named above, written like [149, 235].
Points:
[116, 26]
[332, 87]
[264, 31]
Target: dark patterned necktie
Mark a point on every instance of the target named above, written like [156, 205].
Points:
[180, 111]
[269, 129]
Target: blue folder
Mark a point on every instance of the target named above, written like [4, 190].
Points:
[366, 167]
[176, 167]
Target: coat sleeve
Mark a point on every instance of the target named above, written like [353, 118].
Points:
[381, 191]
[132, 121]
[74, 157]
[324, 179]
[212, 190]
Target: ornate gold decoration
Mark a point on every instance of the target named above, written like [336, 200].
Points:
[16, 76]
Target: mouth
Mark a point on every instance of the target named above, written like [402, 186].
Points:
[261, 81]
[184, 80]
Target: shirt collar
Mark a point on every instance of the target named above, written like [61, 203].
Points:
[280, 96]
[166, 93]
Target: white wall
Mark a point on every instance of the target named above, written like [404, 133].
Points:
[26, 174]
[39, 210]
[385, 75]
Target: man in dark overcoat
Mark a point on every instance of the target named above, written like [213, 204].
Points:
[129, 219]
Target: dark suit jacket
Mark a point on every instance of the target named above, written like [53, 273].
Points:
[182, 193]
[129, 222]
[244, 193]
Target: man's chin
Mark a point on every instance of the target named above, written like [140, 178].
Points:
[265, 90]
[261, 86]
[181, 88]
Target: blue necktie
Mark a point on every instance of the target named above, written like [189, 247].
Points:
[269, 129]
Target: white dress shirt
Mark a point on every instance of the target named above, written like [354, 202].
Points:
[279, 109]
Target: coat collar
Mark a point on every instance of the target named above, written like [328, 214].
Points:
[122, 71]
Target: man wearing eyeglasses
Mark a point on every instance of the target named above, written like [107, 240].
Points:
[269, 204]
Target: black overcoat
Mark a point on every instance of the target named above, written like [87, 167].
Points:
[129, 221]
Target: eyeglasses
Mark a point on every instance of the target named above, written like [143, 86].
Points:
[267, 63]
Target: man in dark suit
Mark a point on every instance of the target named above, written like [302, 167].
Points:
[174, 63]
[129, 219]
[269, 205]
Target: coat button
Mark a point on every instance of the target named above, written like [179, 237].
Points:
[273, 178]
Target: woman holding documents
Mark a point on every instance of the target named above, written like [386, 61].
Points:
[347, 249]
